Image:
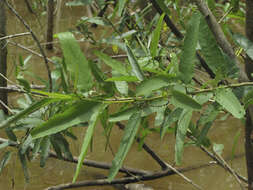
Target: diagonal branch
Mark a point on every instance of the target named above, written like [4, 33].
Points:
[35, 39]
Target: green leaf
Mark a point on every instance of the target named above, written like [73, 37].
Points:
[184, 101]
[45, 148]
[121, 4]
[186, 66]
[183, 124]
[163, 6]
[170, 118]
[75, 114]
[125, 114]
[229, 101]
[245, 43]
[151, 84]
[114, 64]
[123, 78]
[134, 64]
[125, 144]
[214, 57]
[5, 159]
[156, 37]
[23, 161]
[32, 108]
[87, 139]
[76, 61]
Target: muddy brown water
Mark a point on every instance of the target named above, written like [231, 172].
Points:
[57, 172]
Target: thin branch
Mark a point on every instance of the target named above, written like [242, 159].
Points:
[232, 171]
[15, 35]
[36, 40]
[219, 162]
[30, 51]
[183, 176]
[236, 85]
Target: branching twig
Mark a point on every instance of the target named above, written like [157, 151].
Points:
[36, 40]
[15, 35]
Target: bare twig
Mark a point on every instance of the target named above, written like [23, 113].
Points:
[30, 51]
[231, 170]
[183, 176]
[15, 35]
[36, 40]
[219, 162]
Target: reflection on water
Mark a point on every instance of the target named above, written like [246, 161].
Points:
[56, 172]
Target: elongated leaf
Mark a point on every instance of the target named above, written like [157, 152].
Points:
[77, 113]
[184, 101]
[34, 107]
[45, 147]
[186, 65]
[87, 139]
[76, 61]
[169, 120]
[5, 159]
[23, 161]
[149, 85]
[216, 60]
[126, 114]
[134, 64]
[156, 37]
[121, 4]
[229, 101]
[124, 78]
[114, 64]
[125, 144]
[182, 127]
